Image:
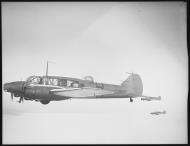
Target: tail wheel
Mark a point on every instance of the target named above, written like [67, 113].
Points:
[44, 101]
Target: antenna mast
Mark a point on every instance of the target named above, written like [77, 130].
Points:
[47, 69]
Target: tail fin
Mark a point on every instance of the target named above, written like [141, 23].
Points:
[133, 85]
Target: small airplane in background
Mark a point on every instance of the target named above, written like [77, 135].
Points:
[158, 112]
[148, 98]
[46, 88]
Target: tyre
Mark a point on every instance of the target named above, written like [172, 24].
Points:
[44, 101]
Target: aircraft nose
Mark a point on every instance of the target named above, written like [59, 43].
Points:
[14, 86]
[7, 86]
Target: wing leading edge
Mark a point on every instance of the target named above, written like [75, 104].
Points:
[81, 92]
[94, 93]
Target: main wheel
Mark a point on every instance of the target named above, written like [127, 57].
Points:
[131, 100]
[44, 101]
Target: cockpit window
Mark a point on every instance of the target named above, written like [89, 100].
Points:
[36, 80]
[52, 81]
[29, 78]
[33, 79]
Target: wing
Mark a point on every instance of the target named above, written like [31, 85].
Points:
[93, 93]
[155, 113]
[86, 92]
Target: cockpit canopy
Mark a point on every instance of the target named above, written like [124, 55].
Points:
[33, 79]
[43, 80]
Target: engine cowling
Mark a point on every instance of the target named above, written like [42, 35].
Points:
[41, 93]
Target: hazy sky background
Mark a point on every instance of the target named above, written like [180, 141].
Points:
[105, 40]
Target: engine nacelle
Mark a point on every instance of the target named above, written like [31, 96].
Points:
[41, 93]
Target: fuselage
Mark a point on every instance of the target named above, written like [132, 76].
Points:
[54, 88]
[158, 112]
[38, 87]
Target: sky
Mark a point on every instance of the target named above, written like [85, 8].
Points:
[104, 40]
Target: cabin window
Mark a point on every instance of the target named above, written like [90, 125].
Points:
[69, 83]
[81, 85]
[55, 82]
[50, 82]
[75, 84]
[45, 81]
[40, 81]
[62, 82]
[72, 84]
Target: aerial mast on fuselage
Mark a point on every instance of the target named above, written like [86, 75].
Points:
[47, 69]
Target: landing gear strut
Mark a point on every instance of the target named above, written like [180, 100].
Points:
[131, 100]
[21, 99]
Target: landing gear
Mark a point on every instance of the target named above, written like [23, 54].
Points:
[131, 100]
[12, 95]
[44, 101]
[27, 98]
[16, 95]
[21, 99]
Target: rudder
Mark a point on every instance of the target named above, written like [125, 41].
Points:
[133, 85]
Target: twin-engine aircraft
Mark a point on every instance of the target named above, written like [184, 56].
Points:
[54, 88]
[158, 112]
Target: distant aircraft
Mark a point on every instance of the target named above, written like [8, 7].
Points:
[148, 98]
[158, 112]
[54, 88]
